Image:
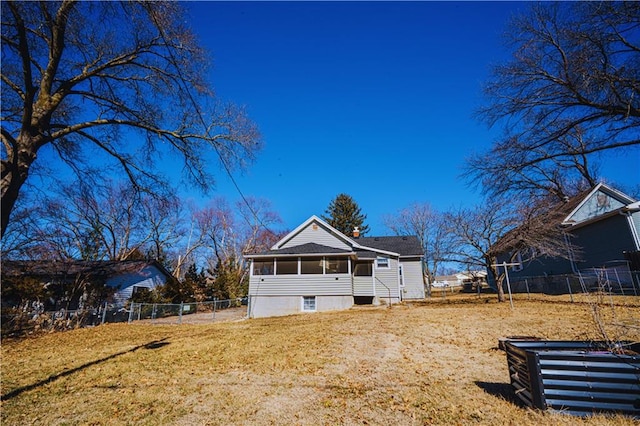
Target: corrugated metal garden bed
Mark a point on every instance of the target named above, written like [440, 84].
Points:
[575, 377]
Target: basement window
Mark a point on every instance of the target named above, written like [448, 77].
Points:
[308, 303]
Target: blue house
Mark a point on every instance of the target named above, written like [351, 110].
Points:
[600, 227]
[68, 280]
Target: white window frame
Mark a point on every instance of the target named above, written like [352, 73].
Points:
[315, 303]
[388, 261]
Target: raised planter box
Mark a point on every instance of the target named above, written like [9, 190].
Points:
[575, 377]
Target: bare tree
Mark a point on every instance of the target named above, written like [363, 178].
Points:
[570, 92]
[421, 220]
[124, 80]
[229, 234]
[103, 223]
[479, 235]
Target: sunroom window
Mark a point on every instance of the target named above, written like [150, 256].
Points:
[363, 269]
[263, 267]
[311, 265]
[286, 266]
[337, 266]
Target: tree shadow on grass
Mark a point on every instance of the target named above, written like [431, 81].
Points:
[501, 390]
[156, 344]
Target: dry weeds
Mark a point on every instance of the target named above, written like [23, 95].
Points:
[435, 362]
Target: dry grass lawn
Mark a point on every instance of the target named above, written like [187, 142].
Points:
[435, 362]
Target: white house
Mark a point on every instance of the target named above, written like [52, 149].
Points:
[318, 268]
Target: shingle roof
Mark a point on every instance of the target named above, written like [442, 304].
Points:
[308, 248]
[403, 245]
[61, 268]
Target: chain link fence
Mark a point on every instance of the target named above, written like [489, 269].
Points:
[33, 318]
[605, 280]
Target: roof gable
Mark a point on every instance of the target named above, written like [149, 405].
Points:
[601, 200]
[315, 233]
[315, 230]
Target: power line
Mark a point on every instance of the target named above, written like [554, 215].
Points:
[186, 88]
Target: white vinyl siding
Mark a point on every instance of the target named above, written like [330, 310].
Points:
[413, 282]
[300, 285]
[316, 234]
[149, 277]
[386, 280]
[363, 286]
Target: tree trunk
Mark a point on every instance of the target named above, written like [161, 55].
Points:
[498, 278]
[15, 170]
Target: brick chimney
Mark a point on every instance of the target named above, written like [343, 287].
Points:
[356, 232]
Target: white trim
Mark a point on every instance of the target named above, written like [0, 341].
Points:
[332, 230]
[632, 228]
[619, 196]
[308, 222]
[382, 267]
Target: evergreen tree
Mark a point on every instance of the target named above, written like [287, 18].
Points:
[344, 214]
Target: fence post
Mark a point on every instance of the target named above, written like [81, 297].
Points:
[180, 315]
[131, 307]
[619, 282]
[526, 283]
[569, 287]
[104, 313]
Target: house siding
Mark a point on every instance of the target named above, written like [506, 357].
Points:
[599, 243]
[387, 285]
[300, 285]
[604, 241]
[319, 235]
[413, 282]
[149, 277]
[363, 286]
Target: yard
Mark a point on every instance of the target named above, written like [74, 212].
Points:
[434, 362]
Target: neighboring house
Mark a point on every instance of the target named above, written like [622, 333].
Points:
[602, 225]
[123, 277]
[461, 279]
[317, 268]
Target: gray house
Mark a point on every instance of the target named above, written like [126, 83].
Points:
[317, 268]
[602, 226]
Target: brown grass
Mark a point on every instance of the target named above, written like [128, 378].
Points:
[435, 362]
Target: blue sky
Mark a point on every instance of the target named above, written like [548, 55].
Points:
[372, 99]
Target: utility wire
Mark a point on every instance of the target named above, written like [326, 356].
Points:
[186, 88]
